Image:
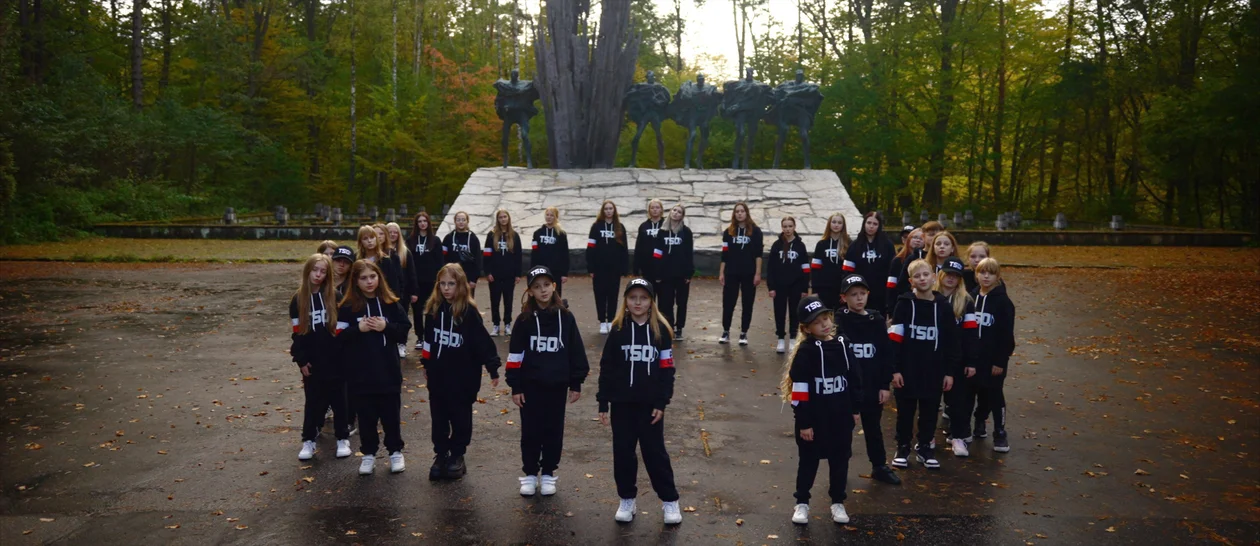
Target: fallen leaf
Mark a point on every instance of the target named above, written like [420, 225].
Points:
[772, 536]
[264, 473]
[568, 514]
[89, 465]
[33, 446]
[765, 461]
[351, 532]
[417, 535]
[47, 520]
[308, 479]
[1141, 472]
[1184, 477]
[739, 521]
[242, 527]
[161, 452]
[689, 509]
[1111, 529]
[590, 475]
[175, 526]
[1049, 469]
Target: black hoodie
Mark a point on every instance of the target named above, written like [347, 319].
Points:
[393, 275]
[675, 250]
[605, 253]
[463, 249]
[788, 268]
[827, 264]
[426, 260]
[927, 344]
[503, 263]
[644, 262]
[454, 351]
[871, 351]
[826, 388]
[318, 346]
[633, 368]
[995, 330]
[741, 250]
[871, 261]
[370, 361]
[546, 349]
[898, 282]
[550, 248]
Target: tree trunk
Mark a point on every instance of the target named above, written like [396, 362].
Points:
[354, 120]
[311, 11]
[262, 23]
[678, 32]
[165, 76]
[1000, 117]
[137, 54]
[1104, 121]
[1052, 192]
[939, 133]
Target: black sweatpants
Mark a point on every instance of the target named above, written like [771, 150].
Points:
[542, 428]
[322, 394]
[451, 415]
[671, 298]
[385, 408]
[738, 286]
[927, 409]
[961, 400]
[785, 300]
[830, 296]
[991, 398]
[872, 414]
[606, 287]
[837, 452]
[502, 290]
[631, 425]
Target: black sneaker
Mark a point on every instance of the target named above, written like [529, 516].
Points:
[726, 338]
[678, 334]
[439, 465]
[980, 431]
[927, 456]
[902, 457]
[455, 468]
[1000, 444]
[743, 338]
[884, 474]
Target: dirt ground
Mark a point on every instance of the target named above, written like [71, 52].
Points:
[156, 403]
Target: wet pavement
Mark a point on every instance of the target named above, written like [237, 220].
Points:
[158, 404]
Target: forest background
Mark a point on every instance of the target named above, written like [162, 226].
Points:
[156, 109]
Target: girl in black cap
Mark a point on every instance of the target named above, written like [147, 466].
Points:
[961, 399]
[636, 381]
[825, 391]
[867, 335]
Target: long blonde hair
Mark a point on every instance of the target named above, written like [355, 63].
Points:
[669, 219]
[555, 225]
[463, 299]
[931, 249]
[958, 299]
[363, 252]
[845, 240]
[802, 335]
[499, 232]
[656, 321]
[354, 295]
[404, 253]
[327, 291]
[386, 249]
[749, 224]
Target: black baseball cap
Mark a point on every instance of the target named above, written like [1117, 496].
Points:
[906, 230]
[809, 309]
[850, 281]
[344, 253]
[640, 283]
[540, 271]
[953, 265]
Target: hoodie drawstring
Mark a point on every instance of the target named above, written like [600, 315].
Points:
[936, 343]
[835, 254]
[980, 330]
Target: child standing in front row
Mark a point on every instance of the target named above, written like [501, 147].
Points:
[867, 335]
[370, 324]
[313, 312]
[824, 387]
[456, 347]
[926, 353]
[546, 366]
[995, 342]
[636, 379]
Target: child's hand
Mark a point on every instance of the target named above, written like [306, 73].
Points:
[898, 382]
[365, 325]
[772, 293]
[807, 434]
[722, 280]
[603, 418]
[378, 324]
[564, 280]
[657, 415]
[306, 370]
[493, 382]
[969, 372]
[757, 279]
[415, 299]
[519, 400]
[490, 278]
[949, 383]
[998, 371]
[574, 396]
[884, 396]
[857, 420]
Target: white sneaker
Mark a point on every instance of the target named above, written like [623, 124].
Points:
[529, 484]
[365, 467]
[800, 515]
[782, 346]
[308, 451]
[548, 485]
[960, 447]
[402, 350]
[673, 515]
[625, 511]
[838, 513]
[420, 345]
[495, 331]
[396, 462]
[603, 328]
[343, 448]
[507, 329]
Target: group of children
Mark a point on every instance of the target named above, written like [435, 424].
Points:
[950, 334]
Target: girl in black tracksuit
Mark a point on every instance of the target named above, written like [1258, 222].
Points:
[607, 258]
[961, 399]
[502, 262]
[867, 334]
[370, 359]
[462, 247]
[546, 365]
[372, 249]
[426, 260]
[871, 255]
[646, 242]
[787, 277]
[927, 353]
[675, 254]
[636, 381]
[825, 387]
[828, 261]
[995, 343]
[740, 270]
[313, 314]
[549, 247]
[898, 280]
[456, 348]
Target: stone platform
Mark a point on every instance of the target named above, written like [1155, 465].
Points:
[810, 196]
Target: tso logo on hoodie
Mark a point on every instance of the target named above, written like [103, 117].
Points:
[742, 239]
[448, 338]
[547, 239]
[870, 255]
[985, 319]
[639, 353]
[792, 255]
[421, 248]
[544, 344]
[830, 385]
[319, 317]
[673, 240]
[923, 333]
[832, 253]
[608, 233]
[863, 350]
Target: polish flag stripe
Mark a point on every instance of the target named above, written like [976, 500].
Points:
[805, 268]
[897, 332]
[296, 325]
[486, 251]
[533, 245]
[342, 326]
[444, 250]
[725, 246]
[800, 392]
[850, 266]
[667, 358]
[816, 263]
[514, 360]
[969, 321]
[656, 253]
[590, 243]
[892, 282]
[424, 351]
